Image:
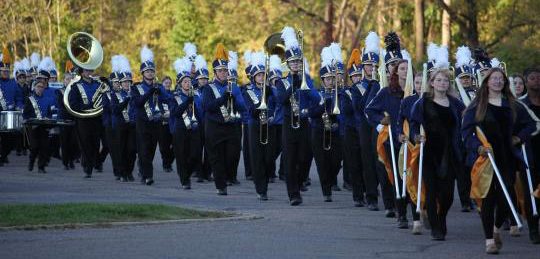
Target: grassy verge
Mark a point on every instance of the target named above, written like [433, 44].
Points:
[74, 213]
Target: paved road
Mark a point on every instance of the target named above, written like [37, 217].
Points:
[313, 230]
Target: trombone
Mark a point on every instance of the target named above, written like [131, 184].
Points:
[230, 101]
[327, 121]
[263, 107]
[295, 107]
[193, 119]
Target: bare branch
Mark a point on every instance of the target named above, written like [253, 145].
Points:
[305, 11]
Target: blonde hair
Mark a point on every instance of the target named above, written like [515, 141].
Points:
[429, 87]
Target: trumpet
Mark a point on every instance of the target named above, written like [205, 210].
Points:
[295, 107]
[263, 107]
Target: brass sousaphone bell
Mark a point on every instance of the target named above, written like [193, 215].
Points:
[86, 53]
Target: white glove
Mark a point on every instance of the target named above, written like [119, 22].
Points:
[379, 128]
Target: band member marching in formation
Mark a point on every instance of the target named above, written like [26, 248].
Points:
[68, 139]
[439, 112]
[324, 111]
[232, 76]
[185, 107]
[114, 79]
[222, 99]
[494, 125]
[39, 106]
[260, 103]
[122, 121]
[147, 96]
[200, 78]
[11, 99]
[296, 148]
[165, 136]
[245, 118]
[276, 125]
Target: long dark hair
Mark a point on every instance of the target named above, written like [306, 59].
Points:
[482, 98]
[394, 79]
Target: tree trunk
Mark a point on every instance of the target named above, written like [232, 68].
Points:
[472, 30]
[396, 21]
[419, 29]
[328, 29]
[446, 33]
[381, 5]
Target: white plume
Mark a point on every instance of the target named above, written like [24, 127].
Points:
[326, 57]
[335, 48]
[190, 49]
[25, 63]
[406, 55]
[182, 65]
[17, 66]
[115, 63]
[146, 54]
[432, 51]
[200, 63]
[463, 56]
[372, 43]
[34, 59]
[441, 57]
[495, 62]
[233, 61]
[123, 66]
[247, 57]
[258, 58]
[275, 63]
[288, 34]
[47, 64]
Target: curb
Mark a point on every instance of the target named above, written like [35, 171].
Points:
[129, 223]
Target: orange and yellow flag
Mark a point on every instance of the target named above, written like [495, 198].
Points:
[381, 152]
[481, 173]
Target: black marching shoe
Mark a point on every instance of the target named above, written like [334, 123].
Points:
[71, 165]
[99, 168]
[42, 171]
[327, 198]
[347, 186]
[359, 203]
[534, 237]
[390, 213]
[272, 179]
[262, 197]
[372, 207]
[117, 178]
[296, 201]
[403, 223]
[124, 179]
[88, 172]
[149, 181]
[30, 166]
[335, 188]
[131, 178]
[222, 191]
[200, 179]
[249, 178]
[66, 167]
[186, 186]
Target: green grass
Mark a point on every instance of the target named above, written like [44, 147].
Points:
[73, 213]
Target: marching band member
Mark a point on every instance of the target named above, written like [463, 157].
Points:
[185, 107]
[10, 100]
[339, 80]
[384, 110]
[47, 64]
[147, 97]
[464, 72]
[325, 136]
[39, 106]
[88, 128]
[220, 99]
[165, 137]
[363, 91]
[19, 74]
[275, 74]
[532, 100]
[232, 75]
[260, 116]
[296, 137]
[68, 140]
[123, 122]
[439, 113]
[245, 119]
[352, 144]
[505, 123]
[108, 114]
[391, 99]
[200, 78]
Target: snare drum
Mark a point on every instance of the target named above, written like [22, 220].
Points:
[11, 121]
